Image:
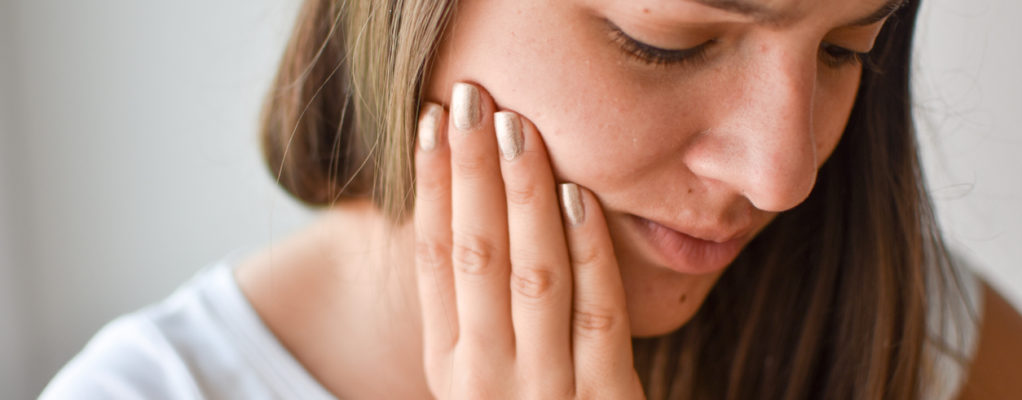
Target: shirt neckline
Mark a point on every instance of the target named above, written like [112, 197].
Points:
[264, 351]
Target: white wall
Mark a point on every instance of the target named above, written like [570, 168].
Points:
[13, 310]
[134, 159]
[969, 103]
[137, 124]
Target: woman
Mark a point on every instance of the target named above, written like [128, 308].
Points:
[585, 198]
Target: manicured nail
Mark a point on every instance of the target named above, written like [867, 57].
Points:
[571, 202]
[429, 125]
[509, 134]
[465, 106]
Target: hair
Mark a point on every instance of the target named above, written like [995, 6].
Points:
[338, 124]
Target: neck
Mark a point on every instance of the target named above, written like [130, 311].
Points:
[348, 306]
[381, 294]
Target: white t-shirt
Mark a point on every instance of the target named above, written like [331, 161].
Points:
[206, 341]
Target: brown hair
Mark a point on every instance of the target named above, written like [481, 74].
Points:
[338, 120]
[829, 301]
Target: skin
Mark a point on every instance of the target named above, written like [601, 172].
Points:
[718, 146]
[995, 371]
[560, 329]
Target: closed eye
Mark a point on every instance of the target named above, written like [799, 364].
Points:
[837, 57]
[653, 55]
[830, 55]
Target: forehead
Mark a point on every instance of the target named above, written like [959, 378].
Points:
[779, 10]
[776, 12]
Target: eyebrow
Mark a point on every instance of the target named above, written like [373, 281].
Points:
[764, 14]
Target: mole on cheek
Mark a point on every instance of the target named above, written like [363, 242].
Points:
[683, 298]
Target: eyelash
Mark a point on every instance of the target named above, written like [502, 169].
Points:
[837, 57]
[832, 56]
[656, 56]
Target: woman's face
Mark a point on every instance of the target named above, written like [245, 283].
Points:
[712, 138]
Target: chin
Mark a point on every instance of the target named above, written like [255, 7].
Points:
[660, 300]
[653, 325]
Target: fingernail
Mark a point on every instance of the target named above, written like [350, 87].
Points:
[571, 202]
[429, 126]
[465, 106]
[509, 134]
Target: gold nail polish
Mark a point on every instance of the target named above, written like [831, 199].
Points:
[465, 106]
[571, 202]
[508, 126]
[429, 126]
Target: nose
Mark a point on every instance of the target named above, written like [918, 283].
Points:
[760, 139]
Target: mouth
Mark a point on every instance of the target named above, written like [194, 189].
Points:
[710, 252]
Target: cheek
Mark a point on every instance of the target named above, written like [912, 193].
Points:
[604, 127]
[546, 62]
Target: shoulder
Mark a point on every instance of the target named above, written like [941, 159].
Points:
[954, 311]
[128, 358]
[996, 370]
[974, 346]
[184, 346]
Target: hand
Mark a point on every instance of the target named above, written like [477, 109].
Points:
[516, 302]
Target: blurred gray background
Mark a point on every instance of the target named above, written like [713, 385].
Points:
[128, 157]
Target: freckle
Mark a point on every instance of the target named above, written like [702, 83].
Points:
[683, 298]
[689, 190]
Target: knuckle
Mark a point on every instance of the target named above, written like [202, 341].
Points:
[522, 194]
[533, 283]
[469, 164]
[432, 186]
[587, 255]
[428, 254]
[473, 254]
[593, 320]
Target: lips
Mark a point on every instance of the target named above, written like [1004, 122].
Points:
[719, 236]
[696, 253]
